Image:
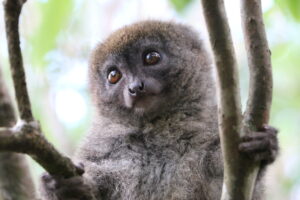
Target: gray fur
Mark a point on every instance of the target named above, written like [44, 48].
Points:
[169, 149]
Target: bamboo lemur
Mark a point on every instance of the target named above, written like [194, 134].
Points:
[155, 130]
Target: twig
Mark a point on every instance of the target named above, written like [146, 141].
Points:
[27, 136]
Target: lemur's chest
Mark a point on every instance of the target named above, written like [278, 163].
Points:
[138, 171]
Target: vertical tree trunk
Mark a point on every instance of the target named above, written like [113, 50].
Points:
[15, 179]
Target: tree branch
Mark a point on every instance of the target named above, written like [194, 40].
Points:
[12, 9]
[15, 177]
[27, 136]
[259, 61]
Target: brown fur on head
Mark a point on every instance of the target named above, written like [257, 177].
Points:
[182, 79]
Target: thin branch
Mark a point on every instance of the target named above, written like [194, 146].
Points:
[239, 172]
[224, 57]
[27, 136]
[261, 84]
[12, 10]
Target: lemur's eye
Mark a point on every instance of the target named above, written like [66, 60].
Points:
[151, 58]
[114, 76]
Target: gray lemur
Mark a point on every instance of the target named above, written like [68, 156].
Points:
[155, 133]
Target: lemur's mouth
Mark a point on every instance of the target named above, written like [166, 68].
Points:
[140, 101]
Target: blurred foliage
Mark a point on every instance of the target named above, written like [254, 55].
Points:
[53, 16]
[284, 40]
[291, 8]
[180, 5]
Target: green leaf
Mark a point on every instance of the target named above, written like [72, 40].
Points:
[180, 5]
[54, 15]
[290, 7]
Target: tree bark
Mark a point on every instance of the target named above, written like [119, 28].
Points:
[239, 172]
[15, 177]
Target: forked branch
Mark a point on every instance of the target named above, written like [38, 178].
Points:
[239, 172]
[27, 136]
